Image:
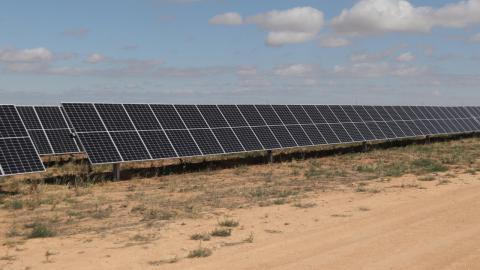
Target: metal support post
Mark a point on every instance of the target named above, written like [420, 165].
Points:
[270, 156]
[116, 172]
[364, 146]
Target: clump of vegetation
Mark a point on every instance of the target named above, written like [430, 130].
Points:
[229, 223]
[427, 165]
[15, 204]
[366, 168]
[200, 236]
[280, 201]
[200, 252]
[240, 170]
[221, 232]
[304, 205]
[313, 172]
[41, 230]
[100, 213]
[427, 178]
[156, 214]
[395, 169]
[363, 188]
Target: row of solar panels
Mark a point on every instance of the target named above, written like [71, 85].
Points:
[111, 133]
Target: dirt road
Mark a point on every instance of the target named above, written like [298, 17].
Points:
[427, 225]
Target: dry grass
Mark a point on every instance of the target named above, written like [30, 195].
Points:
[89, 205]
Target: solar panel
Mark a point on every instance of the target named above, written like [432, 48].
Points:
[376, 130]
[299, 135]
[353, 132]
[266, 137]
[213, 116]
[327, 114]
[314, 134]
[285, 114]
[233, 115]
[168, 116]
[269, 115]
[142, 116]
[341, 133]
[206, 141]
[328, 133]
[229, 141]
[191, 116]
[352, 113]
[251, 114]
[300, 114]
[314, 114]
[48, 129]
[340, 114]
[283, 136]
[247, 138]
[365, 131]
[183, 143]
[132, 132]
[158, 144]
[17, 152]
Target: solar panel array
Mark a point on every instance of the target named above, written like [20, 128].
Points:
[112, 133]
[17, 153]
[49, 129]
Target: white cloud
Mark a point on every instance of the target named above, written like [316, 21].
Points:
[76, 32]
[379, 69]
[334, 42]
[475, 38]
[247, 71]
[372, 57]
[295, 70]
[95, 58]
[458, 15]
[405, 57]
[381, 64]
[27, 55]
[381, 16]
[296, 25]
[229, 18]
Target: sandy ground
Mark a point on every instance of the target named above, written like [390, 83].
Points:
[410, 224]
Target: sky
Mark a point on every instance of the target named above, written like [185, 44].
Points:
[390, 52]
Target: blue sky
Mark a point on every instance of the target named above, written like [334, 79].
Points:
[220, 51]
